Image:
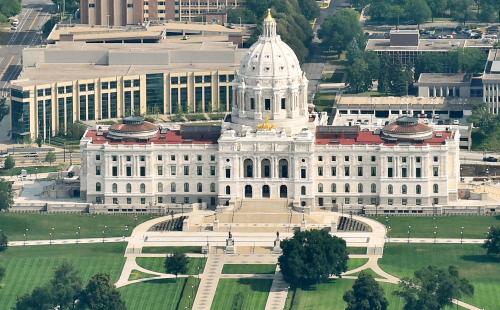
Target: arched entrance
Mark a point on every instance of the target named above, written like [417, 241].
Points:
[248, 191]
[283, 191]
[266, 191]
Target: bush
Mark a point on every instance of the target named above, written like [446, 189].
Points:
[9, 162]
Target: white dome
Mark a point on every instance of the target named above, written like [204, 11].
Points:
[270, 57]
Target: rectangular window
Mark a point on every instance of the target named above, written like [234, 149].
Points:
[142, 171]
[199, 170]
[186, 157]
[91, 107]
[159, 157]
[320, 171]
[114, 158]
[303, 173]
[112, 85]
[389, 159]
[228, 173]
[142, 158]
[60, 90]
[267, 104]
[160, 199]
[173, 170]
[83, 87]
[418, 172]
[404, 172]
[212, 157]
[403, 159]
[360, 171]
[129, 200]
[389, 173]
[435, 171]
[83, 108]
[346, 158]
[347, 171]
[199, 157]
[154, 93]
[390, 201]
[360, 158]
[137, 83]
[115, 201]
[127, 83]
[129, 171]
[360, 201]
[212, 170]
[374, 158]
[252, 103]
[320, 158]
[104, 106]
[320, 201]
[404, 201]
[128, 158]
[186, 170]
[334, 158]
[436, 159]
[418, 201]
[373, 171]
[98, 157]
[334, 171]
[435, 201]
[143, 201]
[160, 170]
[97, 170]
[172, 157]
[418, 159]
[114, 171]
[283, 103]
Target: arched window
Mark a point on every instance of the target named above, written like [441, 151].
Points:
[435, 188]
[266, 191]
[143, 188]
[160, 187]
[114, 188]
[347, 188]
[360, 188]
[248, 191]
[199, 187]
[334, 188]
[98, 187]
[283, 191]
[248, 168]
[173, 187]
[129, 187]
[228, 190]
[265, 168]
[212, 187]
[390, 189]
[373, 188]
[186, 187]
[320, 188]
[303, 190]
[404, 189]
[418, 189]
[283, 171]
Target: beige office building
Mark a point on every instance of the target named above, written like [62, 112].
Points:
[133, 12]
[67, 82]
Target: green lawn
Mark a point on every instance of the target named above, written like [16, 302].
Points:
[329, 296]
[447, 226]
[356, 250]
[249, 268]
[254, 293]
[28, 267]
[483, 272]
[165, 294]
[29, 170]
[195, 265]
[171, 249]
[354, 263]
[66, 225]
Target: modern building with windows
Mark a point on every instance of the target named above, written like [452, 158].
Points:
[272, 147]
[491, 81]
[133, 12]
[75, 81]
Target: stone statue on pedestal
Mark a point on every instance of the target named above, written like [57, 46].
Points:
[230, 244]
[277, 244]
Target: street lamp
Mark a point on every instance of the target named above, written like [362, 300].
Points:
[389, 233]
[50, 238]
[461, 234]
[409, 229]
[26, 235]
[435, 233]
[103, 236]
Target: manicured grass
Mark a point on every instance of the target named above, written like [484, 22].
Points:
[447, 226]
[171, 249]
[136, 275]
[253, 292]
[163, 294]
[29, 267]
[482, 271]
[195, 265]
[329, 296]
[354, 263]
[66, 225]
[29, 170]
[356, 250]
[249, 268]
[369, 271]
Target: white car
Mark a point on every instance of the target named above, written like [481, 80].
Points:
[14, 22]
[13, 28]
[456, 122]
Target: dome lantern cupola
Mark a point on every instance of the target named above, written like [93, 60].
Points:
[269, 26]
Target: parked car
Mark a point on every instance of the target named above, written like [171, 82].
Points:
[490, 159]
[456, 122]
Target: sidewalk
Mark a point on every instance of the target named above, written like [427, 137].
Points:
[437, 240]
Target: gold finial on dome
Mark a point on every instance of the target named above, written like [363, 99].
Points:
[266, 125]
[269, 15]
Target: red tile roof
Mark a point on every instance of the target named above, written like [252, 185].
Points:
[370, 138]
[170, 137]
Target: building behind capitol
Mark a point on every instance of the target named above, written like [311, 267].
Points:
[272, 147]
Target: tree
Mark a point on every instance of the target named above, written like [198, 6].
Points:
[38, 299]
[50, 157]
[246, 15]
[3, 241]
[9, 8]
[359, 77]
[309, 8]
[471, 60]
[433, 288]
[366, 294]
[9, 162]
[461, 10]
[176, 263]
[419, 11]
[492, 243]
[76, 130]
[101, 294]
[438, 7]
[6, 196]
[339, 30]
[39, 141]
[65, 286]
[311, 257]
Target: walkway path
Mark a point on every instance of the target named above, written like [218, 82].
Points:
[279, 291]
[437, 240]
[209, 281]
[68, 241]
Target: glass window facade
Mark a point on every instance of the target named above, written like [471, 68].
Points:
[154, 93]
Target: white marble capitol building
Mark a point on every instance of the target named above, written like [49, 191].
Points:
[273, 146]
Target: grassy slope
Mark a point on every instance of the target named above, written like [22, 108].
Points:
[482, 271]
[195, 265]
[30, 170]
[448, 226]
[255, 293]
[354, 263]
[65, 225]
[248, 268]
[33, 266]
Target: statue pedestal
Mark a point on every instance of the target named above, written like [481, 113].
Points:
[185, 225]
[277, 247]
[205, 249]
[230, 248]
[216, 225]
[333, 227]
[303, 225]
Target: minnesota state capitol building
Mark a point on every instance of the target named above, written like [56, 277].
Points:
[273, 146]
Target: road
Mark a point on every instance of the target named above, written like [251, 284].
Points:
[314, 68]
